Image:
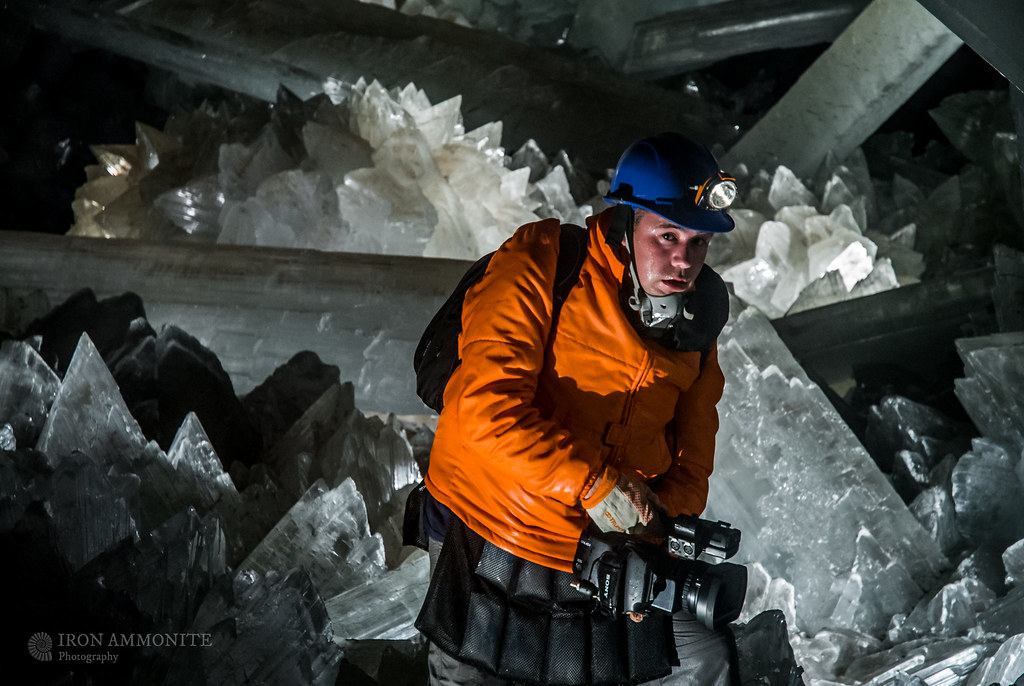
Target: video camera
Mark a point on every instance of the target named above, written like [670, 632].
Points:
[624, 573]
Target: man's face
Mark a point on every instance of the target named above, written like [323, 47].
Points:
[668, 256]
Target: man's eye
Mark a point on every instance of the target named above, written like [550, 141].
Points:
[669, 236]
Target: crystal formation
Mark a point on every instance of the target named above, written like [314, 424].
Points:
[773, 482]
[301, 550]
[28, 387]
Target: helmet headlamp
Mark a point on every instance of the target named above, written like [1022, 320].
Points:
[717, 193]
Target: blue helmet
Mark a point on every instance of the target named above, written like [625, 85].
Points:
[677, 178]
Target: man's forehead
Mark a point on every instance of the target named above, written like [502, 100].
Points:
[655, 222]
[662, 223]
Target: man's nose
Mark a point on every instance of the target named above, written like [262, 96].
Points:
[681, 256]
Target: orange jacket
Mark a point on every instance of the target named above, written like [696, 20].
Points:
[529, 424]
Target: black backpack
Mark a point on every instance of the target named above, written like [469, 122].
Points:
[437, 354]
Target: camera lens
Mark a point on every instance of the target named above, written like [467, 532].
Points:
[714, 593]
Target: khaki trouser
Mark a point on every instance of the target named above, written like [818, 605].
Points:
[704, 656]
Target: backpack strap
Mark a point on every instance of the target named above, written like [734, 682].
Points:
[572, 253]
[436, 355]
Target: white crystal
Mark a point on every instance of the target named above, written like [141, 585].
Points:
[89, 509]
[28, 388]
[867, 605]
[780, 245]
[1013, 561]
[950, 612]
[242, 168]
[988, 493]
[870, 69]
[438, 123]
[195, 207]
[754, 281]
[787, 189]
[826, 655]
[326, 533]
[783, 457]
[89, 415]
[7, 440]
[380, 214]
[935, 510]
[377, 456]
[994, 368]
[843, 217]
[797, 217]
[385, 609]
[375, 114]
[844, 251]
[1006, 666]
[291, 209]
[765, 593]
[334, 150]
[198, 468]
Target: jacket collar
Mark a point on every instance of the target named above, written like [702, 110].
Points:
[611, 258]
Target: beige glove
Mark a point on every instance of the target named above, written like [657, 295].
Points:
[618, 503]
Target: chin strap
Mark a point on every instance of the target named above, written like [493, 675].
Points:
[656, 311]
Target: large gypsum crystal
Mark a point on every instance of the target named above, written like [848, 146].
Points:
[125, 514]
[28, 387]
[89, 415]
[1005, 666]
[821, 531]
[89, 509]
[990, 391]
[334, 441]
[796, 248]
[900, 424]
[356, 613]
[988, 480]
[987, 491]
[942, 662]
[935, 510]
[166, 572]
[365, 169]
[909, 214]
[785, 457]
[326, 533]
[272, 628]
[951, 611]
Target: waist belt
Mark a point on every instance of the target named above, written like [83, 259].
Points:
[525, 623]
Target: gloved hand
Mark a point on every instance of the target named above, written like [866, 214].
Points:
[619, 503]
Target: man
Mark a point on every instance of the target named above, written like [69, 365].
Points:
[605, 419]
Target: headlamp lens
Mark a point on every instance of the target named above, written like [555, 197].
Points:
[722, 194]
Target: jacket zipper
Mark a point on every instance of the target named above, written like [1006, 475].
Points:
[630, 406]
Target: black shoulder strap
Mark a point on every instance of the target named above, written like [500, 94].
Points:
[572, 252]
[436, 355]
